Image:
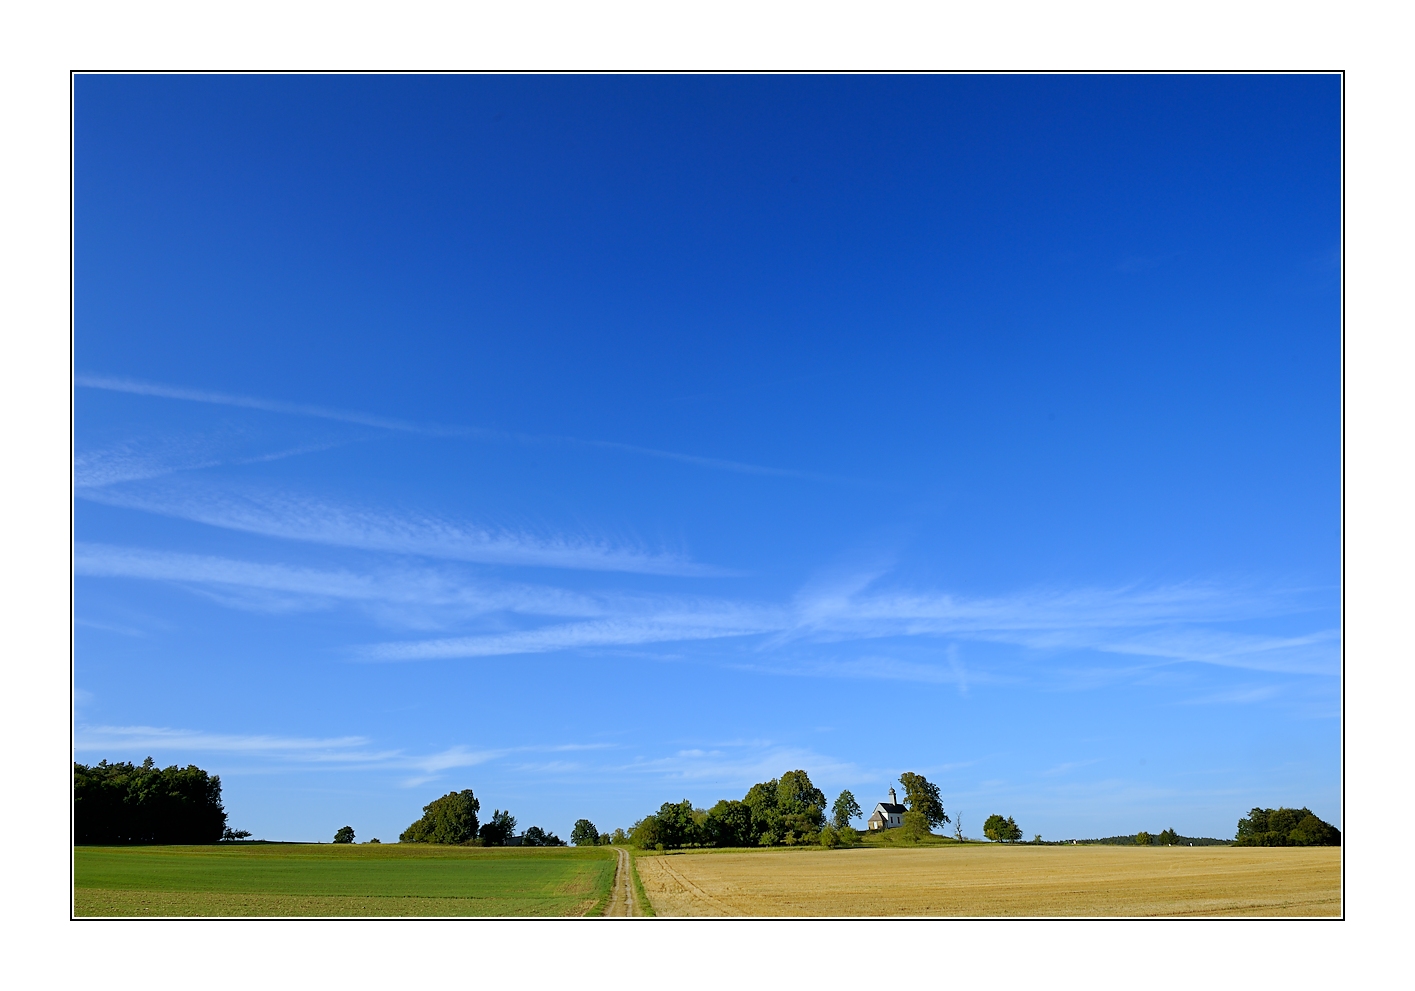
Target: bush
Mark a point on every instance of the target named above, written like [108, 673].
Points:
[915, 828]
[123, 803]
[449, 819]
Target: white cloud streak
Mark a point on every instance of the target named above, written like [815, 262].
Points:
[314, 521]
[140, 388]
[133, 462]
[424, 590]
[349, 752]
[1167, 624]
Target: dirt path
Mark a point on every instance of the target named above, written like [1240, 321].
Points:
[622, 902]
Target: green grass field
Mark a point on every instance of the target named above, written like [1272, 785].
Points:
[329, 880]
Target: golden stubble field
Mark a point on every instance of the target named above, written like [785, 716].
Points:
[998, 881]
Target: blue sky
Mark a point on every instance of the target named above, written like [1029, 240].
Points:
[593, 442]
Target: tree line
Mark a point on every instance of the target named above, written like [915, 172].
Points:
[785, 811]
[1285, 827]
[127, 803]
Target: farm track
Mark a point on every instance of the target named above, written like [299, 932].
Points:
[622, 903]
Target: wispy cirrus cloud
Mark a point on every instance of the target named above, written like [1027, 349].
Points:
[139, 387]
[429, 592]
[343, 749]
[290, 517]
[1169, 624]
[673, 622]
[133, 460]
[348, 752]
[742, 764]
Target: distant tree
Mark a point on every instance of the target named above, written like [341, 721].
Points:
[497, 830]
[1169, 837]
[374, 840]
[584, 833]
[605, 839]
[535, 836]
[844, 809]
[922, 796]
[345, 834]
[619, 838]
[1285, 827]
[1037, 838]
[124, 803]
[958, 828]
[829, 838]
[230, 835]
[1001, 830]
[449, 819]
[1143, 838]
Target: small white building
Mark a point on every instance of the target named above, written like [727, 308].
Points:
[887, 815]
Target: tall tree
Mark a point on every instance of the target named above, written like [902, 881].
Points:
[920, 795]
[844, 809]
[345, 834]
[449, 819]
[584, 833]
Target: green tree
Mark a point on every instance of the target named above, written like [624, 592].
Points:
[497, 830]
[124, 803]
[645, 834]
[584, 833]
[677, 825]
[922, 796]
[619, 838]
[1001, 830]
[345, 834]
[1169, 838]
[1143, 838]
[449, 819]
[844, 809]
[729, 823]
[760, 799]
[801, 806]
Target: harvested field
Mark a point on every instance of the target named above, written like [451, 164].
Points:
[987, 880]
